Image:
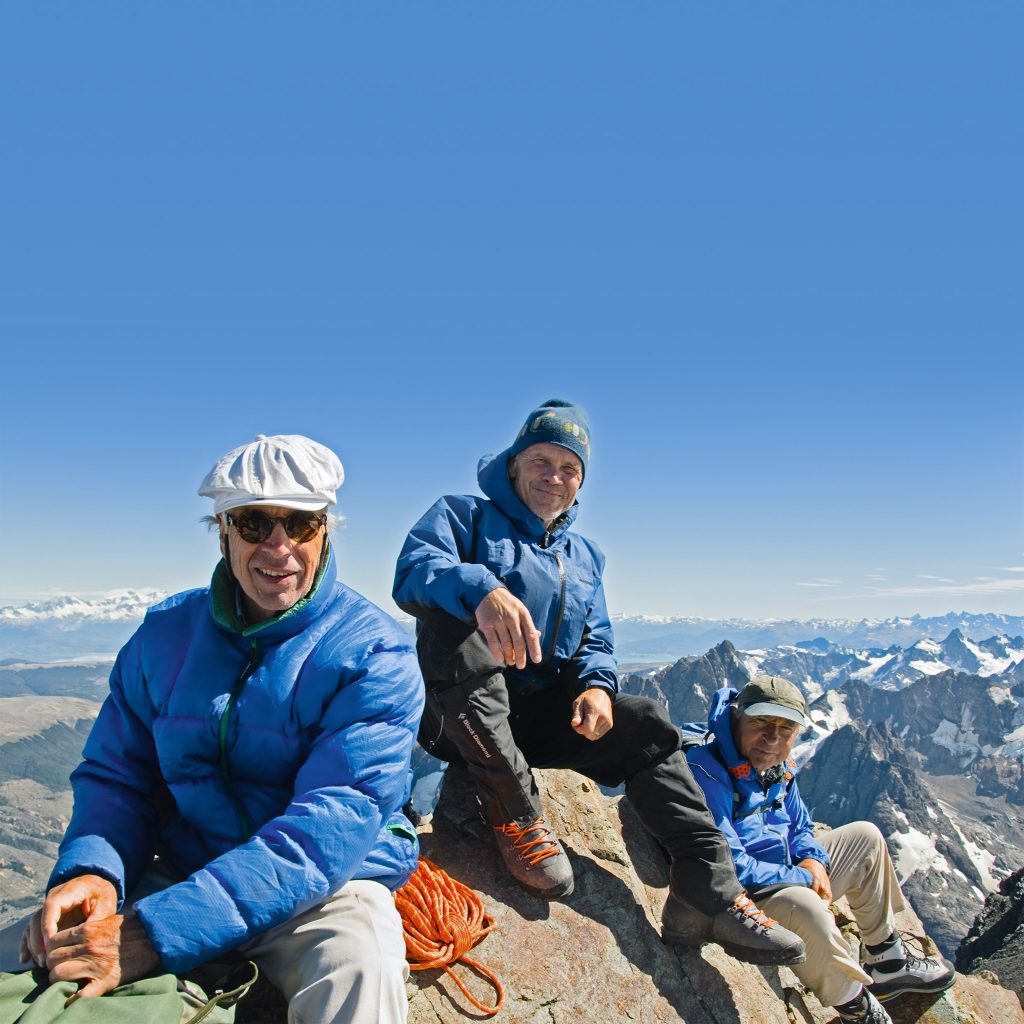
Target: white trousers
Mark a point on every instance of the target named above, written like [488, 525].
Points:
[862, 871]
[342, 962]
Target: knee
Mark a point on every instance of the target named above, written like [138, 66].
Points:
[452, 651]
[804, 912]
[868, 834]
[644, 717]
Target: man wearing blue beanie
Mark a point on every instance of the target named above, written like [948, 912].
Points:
[517, 655]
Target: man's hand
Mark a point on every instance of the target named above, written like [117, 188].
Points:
[103, 952]
[508, 628]
[72, 903]
[819, 878]
[592, 713]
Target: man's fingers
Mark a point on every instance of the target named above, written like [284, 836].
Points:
[494, 645]
[533, 645]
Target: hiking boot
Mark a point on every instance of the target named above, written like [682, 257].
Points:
[535, 859]
[913, 973]
[865, 1009]
[683, 925]
[741, 930]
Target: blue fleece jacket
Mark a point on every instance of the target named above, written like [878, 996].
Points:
[464, 547]
[268, 764]
[769, 830]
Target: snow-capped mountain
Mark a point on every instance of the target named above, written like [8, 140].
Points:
[641, 638]
[819, 664]
[124, 606]
[72, 627]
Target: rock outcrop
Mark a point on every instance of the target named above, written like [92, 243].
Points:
[686, 687]
[597, 956]
[995, 944]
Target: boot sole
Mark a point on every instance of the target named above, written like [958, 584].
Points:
[920, 988]
[548, 894]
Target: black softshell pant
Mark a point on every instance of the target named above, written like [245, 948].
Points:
[500, 731]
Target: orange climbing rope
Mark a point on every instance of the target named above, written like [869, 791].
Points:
[443, 920]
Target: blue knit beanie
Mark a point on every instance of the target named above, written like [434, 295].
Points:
[556, 422]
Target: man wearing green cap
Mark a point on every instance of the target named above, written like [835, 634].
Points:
[748, 775]
[517, 653]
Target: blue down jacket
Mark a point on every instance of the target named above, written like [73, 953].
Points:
[267, 764]
[769, 832]
[464, 547]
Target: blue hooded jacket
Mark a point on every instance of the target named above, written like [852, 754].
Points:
[769, 831]
[464, 547]
[267, 764]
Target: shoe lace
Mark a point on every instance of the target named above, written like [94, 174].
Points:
[920, 963]
[912, 946]
[745, 907]
[533, 851]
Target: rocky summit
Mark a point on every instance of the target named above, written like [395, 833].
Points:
[597, 956]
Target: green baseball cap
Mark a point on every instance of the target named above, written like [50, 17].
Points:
[773, 697]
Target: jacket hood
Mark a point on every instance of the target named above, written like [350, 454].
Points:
[720, 724]
[223, 588]
[492, 475]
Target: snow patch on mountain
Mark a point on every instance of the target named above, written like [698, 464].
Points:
[914, 851]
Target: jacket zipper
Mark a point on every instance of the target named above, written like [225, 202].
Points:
[561, 598]
[229, 785]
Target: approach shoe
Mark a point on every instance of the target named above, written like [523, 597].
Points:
[535, 858]
[742, 930]
[915, 973]
[866, 1009]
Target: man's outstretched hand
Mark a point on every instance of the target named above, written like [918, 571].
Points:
[508, 628]
[592, 713]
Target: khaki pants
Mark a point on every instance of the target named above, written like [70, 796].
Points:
[862, 872]
[343, 962]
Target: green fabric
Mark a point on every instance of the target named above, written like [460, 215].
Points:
[28, 998]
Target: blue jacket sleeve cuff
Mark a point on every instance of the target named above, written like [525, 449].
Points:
[89, 855]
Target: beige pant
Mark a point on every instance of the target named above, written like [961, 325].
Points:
[862, 872]
[343, 962]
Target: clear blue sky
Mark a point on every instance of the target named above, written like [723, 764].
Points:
[776, 250]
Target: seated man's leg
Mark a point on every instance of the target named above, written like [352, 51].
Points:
[342, 962]
[642, 750]
[831, 972]
[467, 718]
[862, 870]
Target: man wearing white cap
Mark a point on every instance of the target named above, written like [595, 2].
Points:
[748, 776]
[256, 738]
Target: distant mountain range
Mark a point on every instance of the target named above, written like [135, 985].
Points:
[73, 627]
[641, 638]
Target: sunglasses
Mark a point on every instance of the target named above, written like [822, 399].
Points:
[254, 526]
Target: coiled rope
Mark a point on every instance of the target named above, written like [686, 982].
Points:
[443, 920]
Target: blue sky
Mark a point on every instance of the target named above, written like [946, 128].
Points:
[774, 249]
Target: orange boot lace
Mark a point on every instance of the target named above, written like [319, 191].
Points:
[532, 850]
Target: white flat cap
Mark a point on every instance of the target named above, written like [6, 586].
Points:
[288, 470]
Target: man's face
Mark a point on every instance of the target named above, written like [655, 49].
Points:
[763, 740]
[276, 573]
[546, 478]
